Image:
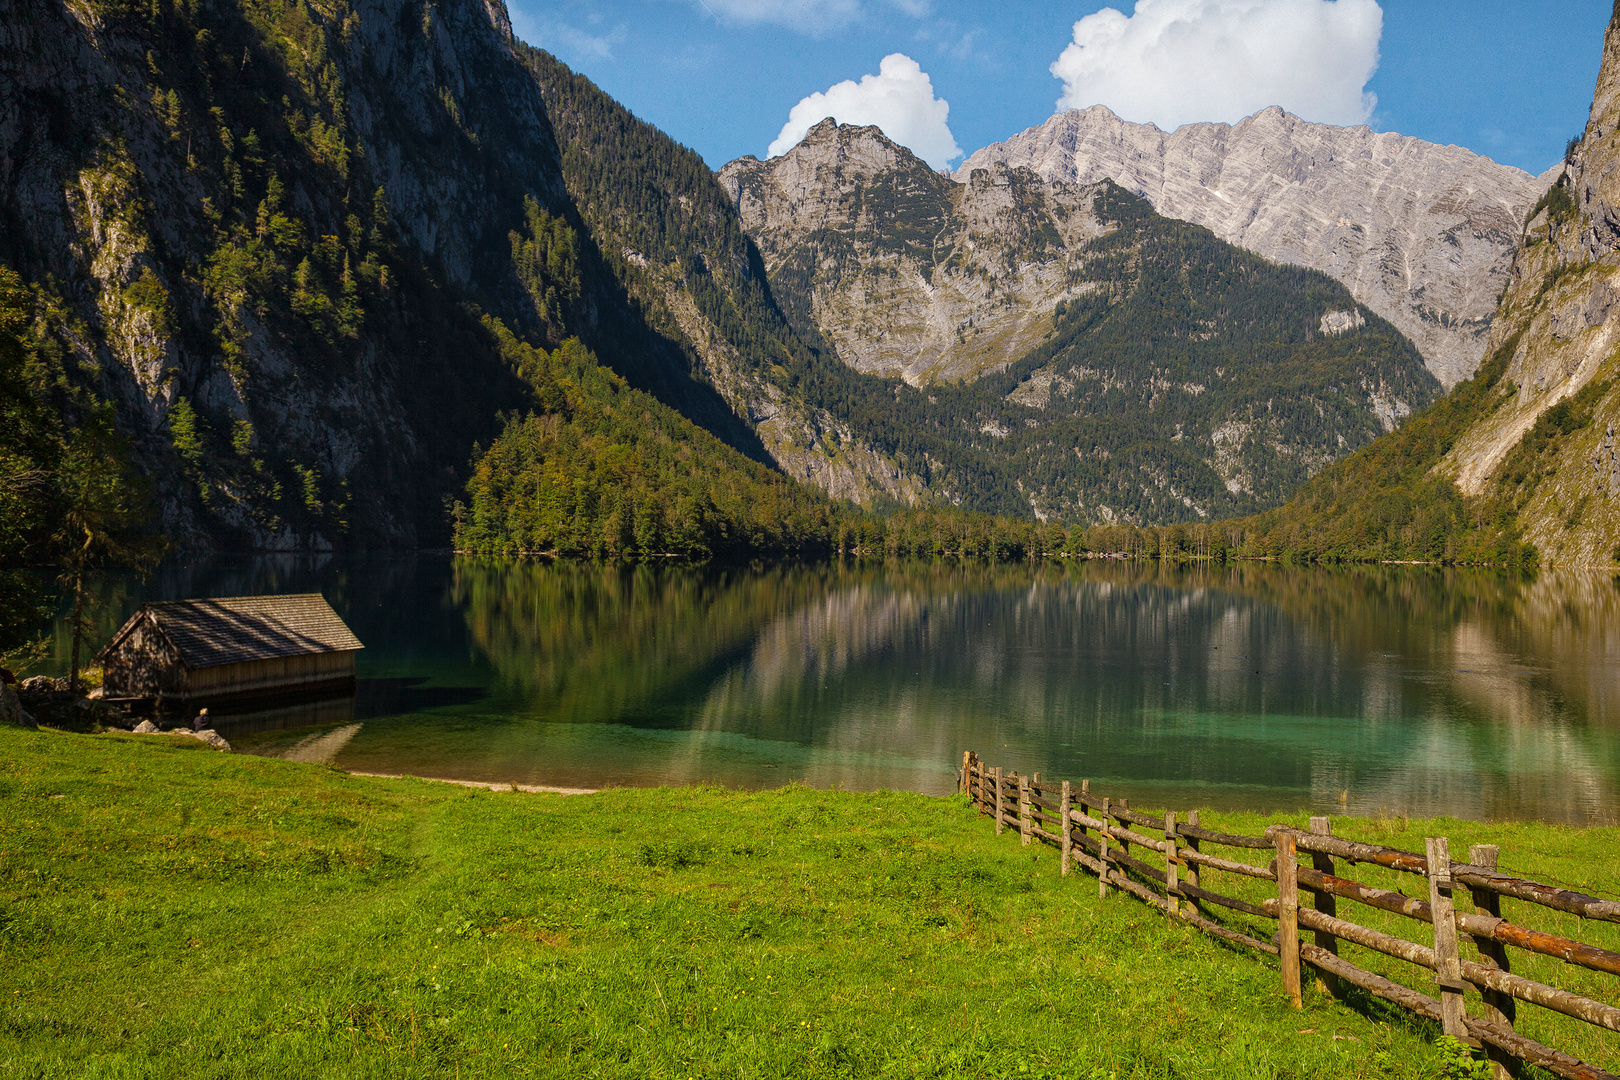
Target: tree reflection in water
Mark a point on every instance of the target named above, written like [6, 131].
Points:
[1402, 689]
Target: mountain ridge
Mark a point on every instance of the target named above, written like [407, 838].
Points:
[1422, 234]
[1116, 364]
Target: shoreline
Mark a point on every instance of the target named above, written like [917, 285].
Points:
[529, 789]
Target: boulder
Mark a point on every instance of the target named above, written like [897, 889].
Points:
[146, 727]
[209, 736]
[12, 712]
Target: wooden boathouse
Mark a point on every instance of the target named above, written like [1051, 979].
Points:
[197, 651]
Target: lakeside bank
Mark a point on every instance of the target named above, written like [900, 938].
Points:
[166, 910]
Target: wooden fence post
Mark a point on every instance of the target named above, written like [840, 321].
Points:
[1102, 853]
[1085, 793]
[1066, 837]
[1325, 902]
[1499, 1007]
[967, 773]
[1171, 900]
[1192, 867]
[1447, 955]
[1288, 915]
[1001, 812]
[1026, 811]
[1124, 847]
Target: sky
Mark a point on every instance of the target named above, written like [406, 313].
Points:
[1510, 80]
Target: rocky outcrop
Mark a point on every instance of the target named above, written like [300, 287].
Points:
[1596, 162]
[279, 239]
[1421, 234]
[1544, 439]
[908, 274]
[53, 703]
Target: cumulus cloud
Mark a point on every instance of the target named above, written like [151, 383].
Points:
[1174, 62]
[810, 16]
[899, 99]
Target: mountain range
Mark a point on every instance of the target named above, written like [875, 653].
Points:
[1421, 234]
[367, 274]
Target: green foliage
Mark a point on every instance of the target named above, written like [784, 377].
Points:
[614, 471]
[182, 421]
[547, 264]
[1558, 202]
[104, 516]
[1385, 502]
[1457, 1061]
[147, 294]
[29, 453]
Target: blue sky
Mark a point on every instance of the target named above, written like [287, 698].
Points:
[1512, 81]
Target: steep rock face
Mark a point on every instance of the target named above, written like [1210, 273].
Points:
[1421, 234]
[907, 273]
[264, 226]
[1547, 439]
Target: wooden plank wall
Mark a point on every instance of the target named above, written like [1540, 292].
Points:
[1175, 867]
[273, 673]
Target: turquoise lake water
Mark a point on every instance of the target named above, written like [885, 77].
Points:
[1368, 690]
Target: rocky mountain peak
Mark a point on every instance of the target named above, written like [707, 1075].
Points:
[906, 272]
[1595, 165]
[1420, 233]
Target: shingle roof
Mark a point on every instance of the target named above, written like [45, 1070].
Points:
[235, 629]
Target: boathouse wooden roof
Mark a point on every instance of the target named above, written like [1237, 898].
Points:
[233, 630]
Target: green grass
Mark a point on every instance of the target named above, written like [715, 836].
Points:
[169, 911]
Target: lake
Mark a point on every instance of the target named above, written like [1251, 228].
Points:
[1366, 690]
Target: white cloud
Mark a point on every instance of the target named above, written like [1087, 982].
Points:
[899, 99]
[1174, 62]
[814, 17]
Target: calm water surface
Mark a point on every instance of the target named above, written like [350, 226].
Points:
[1376, 690]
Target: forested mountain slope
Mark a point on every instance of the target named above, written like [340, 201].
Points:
[1116, 365]
[1524, 453]
[328, 261]
[251, 227]
[1422, 234]
[311, 254]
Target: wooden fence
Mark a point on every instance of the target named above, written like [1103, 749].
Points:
[1177, 871]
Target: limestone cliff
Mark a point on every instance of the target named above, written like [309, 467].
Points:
[1547, 440]
[251, 237]
[905, 272]
[1522, 460]
[1419, 233]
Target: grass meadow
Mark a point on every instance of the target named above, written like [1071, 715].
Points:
[169, 911]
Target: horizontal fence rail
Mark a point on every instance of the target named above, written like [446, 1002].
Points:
[1174, 872]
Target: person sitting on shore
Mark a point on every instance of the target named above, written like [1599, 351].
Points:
[201, 722]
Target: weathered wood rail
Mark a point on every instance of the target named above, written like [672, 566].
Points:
[1099, 834]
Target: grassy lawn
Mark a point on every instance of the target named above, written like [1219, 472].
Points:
[168, 911]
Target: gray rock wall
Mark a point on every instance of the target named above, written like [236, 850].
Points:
[1422, 234]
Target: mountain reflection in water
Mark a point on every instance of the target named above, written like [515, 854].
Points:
[1363, 690]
